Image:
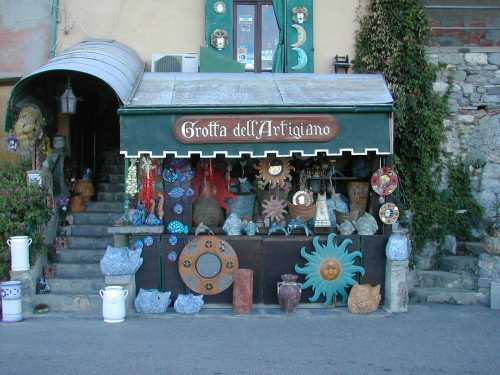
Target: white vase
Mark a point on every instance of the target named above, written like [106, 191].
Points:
[19, 252]
[12, 304]
[113, 303]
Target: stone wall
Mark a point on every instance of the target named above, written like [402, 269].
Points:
[474, 121]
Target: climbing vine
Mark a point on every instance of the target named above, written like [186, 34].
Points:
[391, 41]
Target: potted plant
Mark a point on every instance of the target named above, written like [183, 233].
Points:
[63, 204]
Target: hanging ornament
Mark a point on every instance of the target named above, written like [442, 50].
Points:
[384, 181]
[147, 183]
[389, 213]
[131, 183]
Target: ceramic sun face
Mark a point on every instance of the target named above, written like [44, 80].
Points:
[274, 171]
[329, 269]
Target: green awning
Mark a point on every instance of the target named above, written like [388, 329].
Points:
[257, 114]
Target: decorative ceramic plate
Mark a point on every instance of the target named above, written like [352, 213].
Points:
[177, 192]
[172, 256]
[189, 192]
[177, 226]
[389, 213]
[178, 208]
[384, 181]
[172, 240]
[302, 198]
[176, 163]
[138, 245]
[148, 240]
[186, 176]
[170, 175]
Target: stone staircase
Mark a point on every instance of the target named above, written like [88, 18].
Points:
[78, 274]
[456, 281]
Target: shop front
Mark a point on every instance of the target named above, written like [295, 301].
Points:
[243, 171]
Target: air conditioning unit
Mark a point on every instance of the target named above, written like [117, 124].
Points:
[186, 63]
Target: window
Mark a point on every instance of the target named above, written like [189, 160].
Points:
[256, 35]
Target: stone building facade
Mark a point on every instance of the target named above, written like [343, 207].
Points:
[474, 121]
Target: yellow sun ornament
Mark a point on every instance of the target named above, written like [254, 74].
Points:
[330, 269]
[274, 171]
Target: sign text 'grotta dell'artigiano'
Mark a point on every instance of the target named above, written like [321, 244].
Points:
[256, 128]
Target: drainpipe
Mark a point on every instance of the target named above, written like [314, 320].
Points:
[53, 29]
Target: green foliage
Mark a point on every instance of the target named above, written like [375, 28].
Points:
[22, 210]
[391, 41]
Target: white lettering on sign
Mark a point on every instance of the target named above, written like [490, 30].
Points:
[247, 129]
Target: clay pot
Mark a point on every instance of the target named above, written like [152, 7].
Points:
[85, 189]
[76, 204]
[358, 196]
[206, 209]
[289, 292]
[364, 298]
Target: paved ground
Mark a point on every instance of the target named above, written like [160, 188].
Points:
[429, 339]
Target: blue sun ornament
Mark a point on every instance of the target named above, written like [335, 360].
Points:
[330, 269]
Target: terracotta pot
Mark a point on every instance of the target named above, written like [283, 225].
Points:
[289, 292]
[85, 189]
[358, 196]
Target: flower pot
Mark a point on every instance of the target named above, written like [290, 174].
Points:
[244, 205]
[151, 301]
[397, 247]
[19, 252]
[364, 298]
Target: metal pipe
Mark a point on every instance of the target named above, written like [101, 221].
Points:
[53, 29]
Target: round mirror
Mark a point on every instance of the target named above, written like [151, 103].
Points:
[208, 265]
[276, 167]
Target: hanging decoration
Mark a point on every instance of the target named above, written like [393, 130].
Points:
[28, 127]
[330, 269]
[389, 213]
[12, 143]
[132, 187]
[384, 181]
[274, 171]
[147, 183]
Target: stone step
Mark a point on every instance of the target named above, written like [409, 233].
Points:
[91, 302]
[90, 242]
[108, 207]
[112, 168]
[103, 218]
[460, 264]
[78, 269]
[443, 279]
[474, 248]
[454, 296]
[111, 197]
[76, 285]
[80, 255]
[113, 187]
[91, 230]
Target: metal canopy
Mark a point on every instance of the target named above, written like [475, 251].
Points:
[114, 63]
[361, 104]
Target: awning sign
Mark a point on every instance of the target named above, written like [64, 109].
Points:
[255, 128]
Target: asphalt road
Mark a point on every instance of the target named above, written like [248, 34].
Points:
[429, 339]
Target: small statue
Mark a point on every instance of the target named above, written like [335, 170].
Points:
[366, 225]
[346, 228]
[233, 225]
[297, 223]
[276, 227]
[138, 216]
[250, 228]
[202, 228]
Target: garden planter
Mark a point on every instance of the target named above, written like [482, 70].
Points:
[12, 304]
[113, 303]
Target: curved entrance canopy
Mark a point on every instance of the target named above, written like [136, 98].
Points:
[117, 65]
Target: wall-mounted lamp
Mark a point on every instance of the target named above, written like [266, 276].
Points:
[68, 100]
[12, 142]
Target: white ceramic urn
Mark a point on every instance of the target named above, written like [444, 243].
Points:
[113, 303]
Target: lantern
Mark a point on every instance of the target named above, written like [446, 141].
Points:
[68, 100]
[12, 143]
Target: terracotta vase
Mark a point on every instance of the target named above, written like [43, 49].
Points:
[85, 189]
[206, 209]
[289, 292]
[358, 196]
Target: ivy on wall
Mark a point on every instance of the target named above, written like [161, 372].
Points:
[391, 41]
